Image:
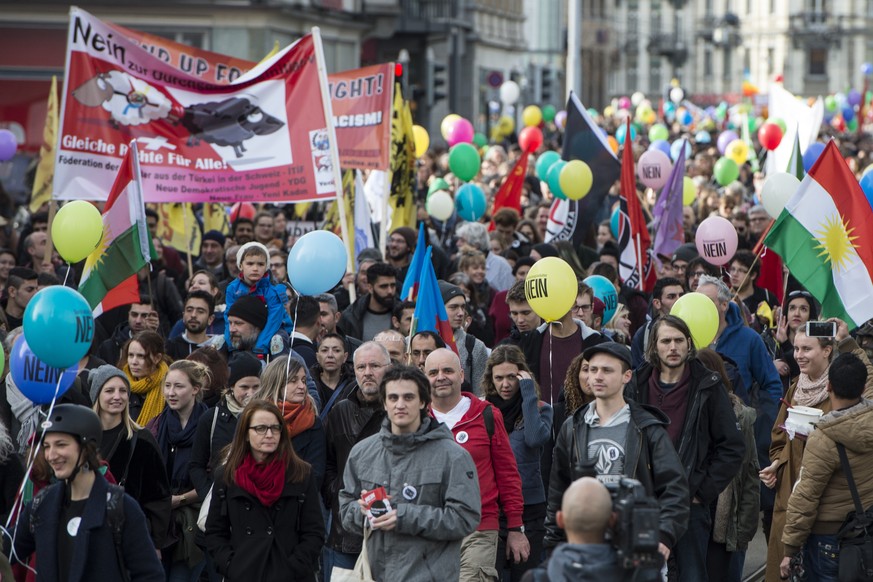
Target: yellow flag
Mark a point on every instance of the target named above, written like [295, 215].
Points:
[45, 170]
[178, 228]
[215, 218]
[331, 217]
[402, 198]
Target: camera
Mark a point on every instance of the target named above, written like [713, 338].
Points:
[635, 534]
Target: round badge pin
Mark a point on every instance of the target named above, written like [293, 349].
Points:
[462, 437]
[73, 526]
[409, 492]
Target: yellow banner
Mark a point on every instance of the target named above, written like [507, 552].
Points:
[45, 170]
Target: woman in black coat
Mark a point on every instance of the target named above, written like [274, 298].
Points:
[131, 451]
[265, 519]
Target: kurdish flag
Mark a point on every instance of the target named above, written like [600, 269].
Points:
[430, 311]
[825, 237]
[109, 278]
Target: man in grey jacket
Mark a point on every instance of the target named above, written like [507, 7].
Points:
[431, 482]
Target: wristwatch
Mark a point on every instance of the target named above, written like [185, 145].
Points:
[519, 529]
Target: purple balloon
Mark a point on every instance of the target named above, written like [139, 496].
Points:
[660, 145]
[867, 69]
[724, 139]
[561, 119]
[654, 168]
[460, 132]
[854, 98]
[8, 145]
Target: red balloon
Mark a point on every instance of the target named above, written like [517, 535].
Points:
[770, 135]
[242, 210]
[530, 139]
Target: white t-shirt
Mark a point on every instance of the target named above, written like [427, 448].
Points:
[453, 416]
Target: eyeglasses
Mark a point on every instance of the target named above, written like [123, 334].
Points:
[698, 273]
[583, 308]
[262, 429]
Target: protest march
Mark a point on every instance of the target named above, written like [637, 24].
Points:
[260, 323]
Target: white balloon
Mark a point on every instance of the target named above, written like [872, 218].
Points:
[777, 191]
[440, 205]
[509, 92]
[637, 98]
[677, 95]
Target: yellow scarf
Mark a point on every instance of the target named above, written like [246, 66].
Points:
[153, 390]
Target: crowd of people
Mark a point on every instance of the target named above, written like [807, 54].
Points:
[225, 428]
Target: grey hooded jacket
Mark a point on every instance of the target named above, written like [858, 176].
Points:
[434, 487]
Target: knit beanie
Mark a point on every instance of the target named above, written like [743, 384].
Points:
[249, 245]
[214, 235]
[98, 377]
[251, 309]
[242, 365]
[408, 234]
[545, 250]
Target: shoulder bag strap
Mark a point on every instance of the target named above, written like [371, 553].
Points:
[133, 440]
[844, 461]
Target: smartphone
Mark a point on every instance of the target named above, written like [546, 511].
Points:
[821, 328]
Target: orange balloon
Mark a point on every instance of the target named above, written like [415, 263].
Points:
[613, 143]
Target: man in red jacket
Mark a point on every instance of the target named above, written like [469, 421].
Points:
[482, 434]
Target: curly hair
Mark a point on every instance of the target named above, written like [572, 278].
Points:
[574, 393]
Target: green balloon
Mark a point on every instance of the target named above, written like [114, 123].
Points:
[438, 184]
[549, 113]
[659, 131]
[851, 126]
[544, 162]
[553, 179]
[480, 140]
[780, 122]
[830, 103]
[464, 161]
[725, 171]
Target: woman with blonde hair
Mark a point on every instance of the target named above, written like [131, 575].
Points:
[283, 383]
[264, 519]
[145, 363]
[131, 451]
[510, 388]
[174, 430]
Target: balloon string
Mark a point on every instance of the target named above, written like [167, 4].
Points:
[291, 341]
[551, 379]
[67, 274]
[18, 504]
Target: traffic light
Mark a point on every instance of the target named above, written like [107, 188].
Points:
[546, 86]
[435, 79]
[401, 75]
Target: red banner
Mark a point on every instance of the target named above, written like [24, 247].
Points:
[259, 136]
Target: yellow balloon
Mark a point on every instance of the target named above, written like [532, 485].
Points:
[532, 116]
[447, 124]
[689, 191]
[700, 315]
[422, 140]
[505, 124]
[608, 111]
[651, 117]
[737, 151]
[575, 179]
[77, 230]
[550, 288]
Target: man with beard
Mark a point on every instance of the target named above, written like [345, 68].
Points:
[197, 316]
[328, 319]
[702, 427]
[349, 422]
[398, 253]
[371, 313]
[243, 231]
[212, 254]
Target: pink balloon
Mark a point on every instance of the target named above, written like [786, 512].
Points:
[654, 168]
[716, 240]
[624, 103]
[561, 119]
[461, 132]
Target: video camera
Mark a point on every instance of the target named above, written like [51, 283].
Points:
[635, 534]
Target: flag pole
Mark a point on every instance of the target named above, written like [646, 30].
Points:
[386, 193]
[334, 150]
[49, 243]
[186, 208]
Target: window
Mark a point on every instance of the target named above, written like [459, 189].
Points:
[632, 67]
[726, 64]
[655, 75]
[771, 61]
[707, 63]
[817, 59]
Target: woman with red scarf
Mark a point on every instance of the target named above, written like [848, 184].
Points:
[284, 383]
[265, 518]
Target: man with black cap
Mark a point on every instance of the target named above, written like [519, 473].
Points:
[471, 350]
[613, 437]
[212, 255]
[399, 250]
[681, 257]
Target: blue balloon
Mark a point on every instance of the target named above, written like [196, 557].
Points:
[867, 186]
[621, 131]
[687, 118]
[811, 155]
[605, 291]
[317, 262]
[867, 69]
[660, 145]
[59, 326]
[614, 222]
[470, 202]
[676, 147]
[848, 113]
[39, 382]
[669, 107]
[703, 137]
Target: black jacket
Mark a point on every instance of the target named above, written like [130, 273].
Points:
[310, 446]
[648, 451]
[351, 322]
[206, 451]
[110, 350]
[531, 343]
[248, 541]
[711, 445]
[349, 422]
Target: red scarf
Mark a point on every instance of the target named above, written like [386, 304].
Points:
[263, 480]
[298, 417]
